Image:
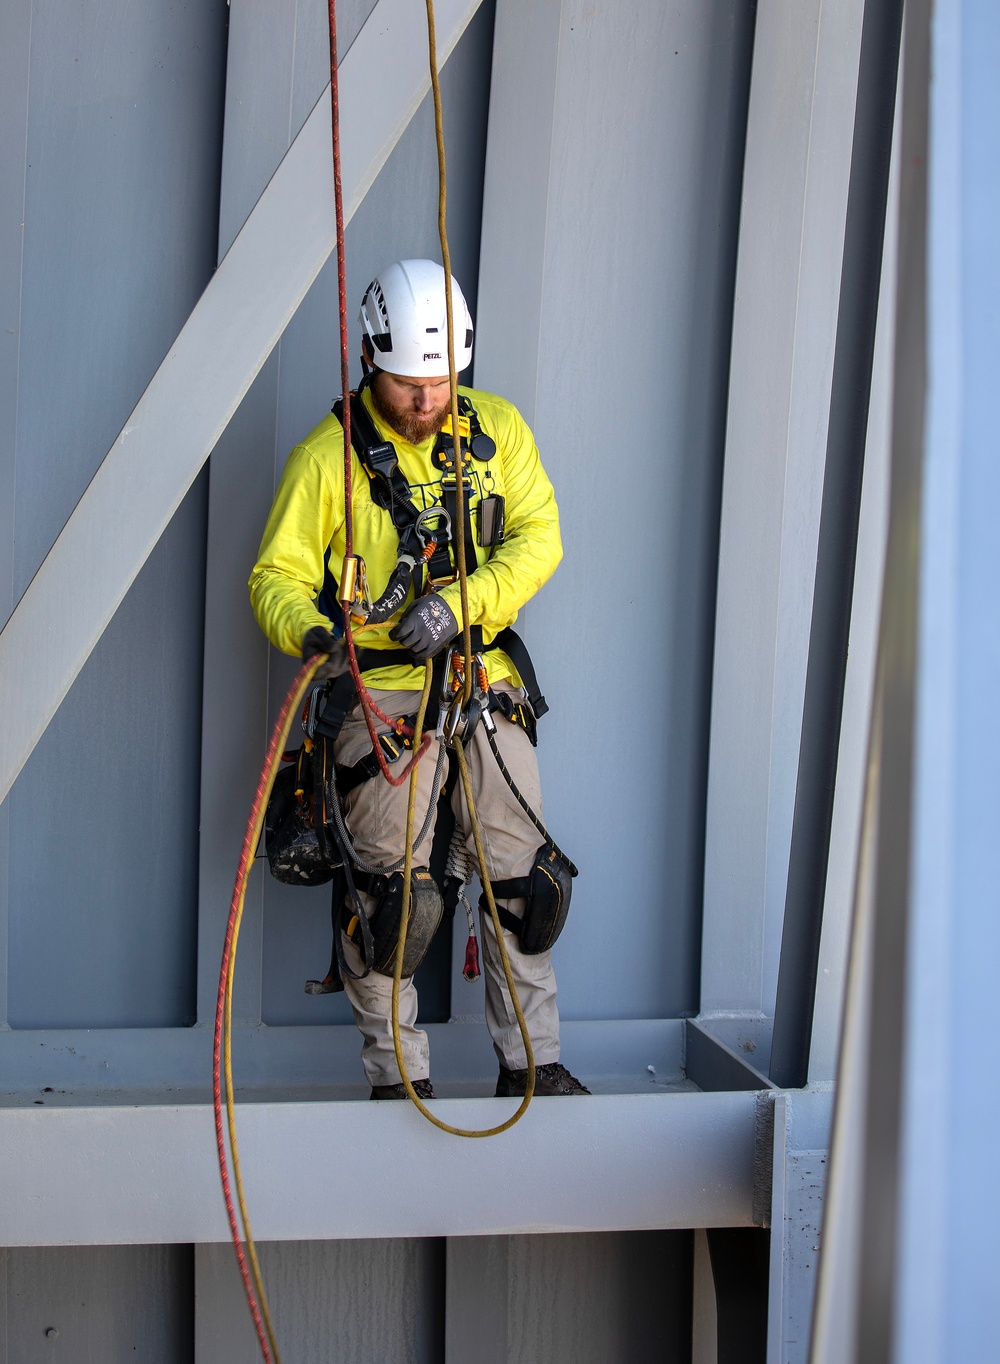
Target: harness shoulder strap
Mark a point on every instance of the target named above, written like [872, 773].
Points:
[389, 489]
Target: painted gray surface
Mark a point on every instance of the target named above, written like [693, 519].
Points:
[799, 137]
[115, 1174]
[947, 1229]
[859, 690]
[722, 1059]
[705, 1305]
[574, 1299]
[577, 1299]
[614, 219]
[111, 165]
[98, 1304]
[836, 1303]
[355, 1302]
[84, 1067]
[802, 1122]
[15, 69]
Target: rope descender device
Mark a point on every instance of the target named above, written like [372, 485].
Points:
[458, 717]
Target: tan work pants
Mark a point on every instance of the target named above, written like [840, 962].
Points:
[376, 818]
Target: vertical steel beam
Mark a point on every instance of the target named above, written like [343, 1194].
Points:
[15, 65]
[835, 1316]
[795, 186]
[605, 307]
[739, 1266]
[948, 1230]
[859, 682]
[856, 1316]
[838, 541]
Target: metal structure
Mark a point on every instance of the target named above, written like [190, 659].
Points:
[713, 171]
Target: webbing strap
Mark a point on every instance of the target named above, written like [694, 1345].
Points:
[449, 495]
[341, 694]
[388, 488]
[392, 745]
[507, 890]
[517, 651]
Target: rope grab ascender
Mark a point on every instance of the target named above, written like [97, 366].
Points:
[465, 688]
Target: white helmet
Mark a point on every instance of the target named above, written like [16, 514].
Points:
[403, 318]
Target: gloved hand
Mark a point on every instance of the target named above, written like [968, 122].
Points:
[319, 640]
[427, 626]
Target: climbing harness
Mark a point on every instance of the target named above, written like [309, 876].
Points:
[425, 536]
[308, 843]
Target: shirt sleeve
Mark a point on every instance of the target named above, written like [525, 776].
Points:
[288, 575]
[532, 548]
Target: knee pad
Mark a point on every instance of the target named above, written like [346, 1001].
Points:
[426, 909]
[547, 889]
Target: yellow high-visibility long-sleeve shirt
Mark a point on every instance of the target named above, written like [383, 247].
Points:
[307, 518]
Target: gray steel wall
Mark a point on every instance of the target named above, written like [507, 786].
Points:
[611, 216]
[97, 1305]
[576, 1299]
[113, 149]
[111, 146]
[632, 803]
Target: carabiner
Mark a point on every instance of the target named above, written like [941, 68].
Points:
[435, 513]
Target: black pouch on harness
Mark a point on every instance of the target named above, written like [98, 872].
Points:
[547, 889]
[295, 853]
[426, 909]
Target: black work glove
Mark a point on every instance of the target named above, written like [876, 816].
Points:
[427, 626]
[319, 640]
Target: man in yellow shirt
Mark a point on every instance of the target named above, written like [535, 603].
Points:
[404, 490]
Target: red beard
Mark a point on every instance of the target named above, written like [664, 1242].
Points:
[414, 427]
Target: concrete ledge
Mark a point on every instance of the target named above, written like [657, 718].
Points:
[315, 1171]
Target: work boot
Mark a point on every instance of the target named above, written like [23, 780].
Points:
[550, 1079]
[424, 1090]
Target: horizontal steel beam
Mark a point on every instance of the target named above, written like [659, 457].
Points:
[318, 1171]
[207, 371]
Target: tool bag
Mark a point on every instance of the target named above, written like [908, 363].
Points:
[296, 854]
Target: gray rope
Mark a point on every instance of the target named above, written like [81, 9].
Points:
[461, 865]
[369, 867]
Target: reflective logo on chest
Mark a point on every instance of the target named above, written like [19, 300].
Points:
[429, 494]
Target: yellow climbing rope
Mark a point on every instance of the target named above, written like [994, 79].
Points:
[222, 1051]
[459, 542]
[401, 945]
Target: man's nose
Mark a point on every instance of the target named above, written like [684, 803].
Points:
[423, 400]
